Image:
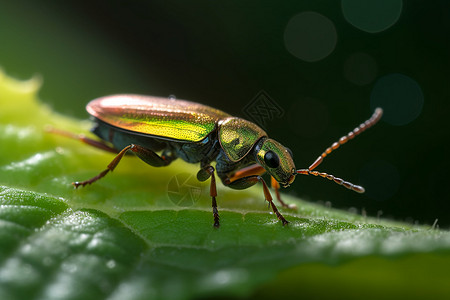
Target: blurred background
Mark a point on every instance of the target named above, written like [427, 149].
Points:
[308, 72]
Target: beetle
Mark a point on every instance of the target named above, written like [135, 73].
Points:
[197, 133]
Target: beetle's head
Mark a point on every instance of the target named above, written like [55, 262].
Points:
[277, 160]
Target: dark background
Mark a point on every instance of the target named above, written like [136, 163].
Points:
[326, 64]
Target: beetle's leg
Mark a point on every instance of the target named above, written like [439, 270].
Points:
[150, 157]
[254, 169]
[257, 169]
[202, 175]
[144, 154]
[245, 182]
[81, 137]
[112, 165]
[276, 186]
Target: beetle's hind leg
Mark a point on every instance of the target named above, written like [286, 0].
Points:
[248, 181]
[145, 154]
[81, 137]
[202, 175]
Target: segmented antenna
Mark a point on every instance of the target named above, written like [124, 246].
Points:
[351, 135]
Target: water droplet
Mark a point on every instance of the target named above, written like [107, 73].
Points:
[172, 97]
[111, 264]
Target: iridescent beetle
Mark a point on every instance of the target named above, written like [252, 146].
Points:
[201, 134]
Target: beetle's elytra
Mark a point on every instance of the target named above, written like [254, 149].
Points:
[200, 134]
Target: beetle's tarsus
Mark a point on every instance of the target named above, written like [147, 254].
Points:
[269, 199]
[215, 212]
[279, 215]
[245, 182]
[76, 184]
[276, 186]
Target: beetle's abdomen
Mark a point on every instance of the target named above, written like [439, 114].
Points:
[120, 138]
[171, 119]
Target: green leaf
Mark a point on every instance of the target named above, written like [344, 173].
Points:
[140, 233]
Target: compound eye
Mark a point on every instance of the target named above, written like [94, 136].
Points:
[290, 152]
[271, 159]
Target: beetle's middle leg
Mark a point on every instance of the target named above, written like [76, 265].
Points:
[248, 181]
[202, 175]
[145, 154]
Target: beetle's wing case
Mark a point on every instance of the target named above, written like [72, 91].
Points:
[238, 136]
[172, 119]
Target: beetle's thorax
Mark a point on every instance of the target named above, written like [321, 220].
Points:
[238, 137]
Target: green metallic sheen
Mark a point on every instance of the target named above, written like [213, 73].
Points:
[238, 136]
[177, 120]
[284, 172]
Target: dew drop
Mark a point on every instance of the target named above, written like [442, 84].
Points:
[111, 264]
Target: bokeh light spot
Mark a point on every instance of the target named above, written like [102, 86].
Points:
[360, 69]
[310, 36]
[308, 117]
[380, 179]
[372, 15]
[400, 97]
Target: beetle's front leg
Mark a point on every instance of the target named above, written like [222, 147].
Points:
[147, 155]
[246, 182]
[257, 169]
[202, 175]
[276, 186]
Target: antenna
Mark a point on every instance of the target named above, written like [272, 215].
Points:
[350, 136]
